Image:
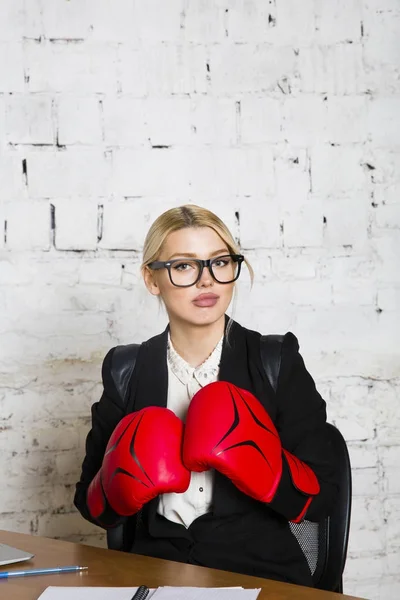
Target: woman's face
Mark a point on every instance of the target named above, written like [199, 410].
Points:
[206, 301]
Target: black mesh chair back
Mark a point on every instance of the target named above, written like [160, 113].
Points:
[324, 544]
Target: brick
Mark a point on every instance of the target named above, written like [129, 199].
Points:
[303, 225]
[346, 119]
[381, 51]
[386, 249]
[169, 121]
[260, 120]
[250, 21]
[260, 224]
[385, 164]
[67, 20]
[363, 587]
[3, 226]
[159, 21]
[76, 225]
[110, 25]
[341, 228]
[214, 121]
[11, 71]
[175, 69]
[304, 119]
[353, 292]
[131, 71]
[21, 235]
[365, 482]
[336, 69]
[391, 507]
[150, 172]
[337, 169]
[223, 173]
[2, 124]
[11, 20]
[33, 24]
[71, 68]
[61, 525]
[388, 216]
[204, 22]
[295, 23]
[251, 68]
[386, 194]
[310, 293]
[292, 177]
[389, 298]
[359, 565]
[14, 271]
[363, 456]
[338, 21]
[73, 172]
[294, 265]
[12, 181]
[97, 271]
[391, 469]
[384, 121]
[125, 121]
[79, 120]
[29, 120]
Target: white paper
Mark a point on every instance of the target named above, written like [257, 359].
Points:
[195, 593]
[162, 593]
[89, 593]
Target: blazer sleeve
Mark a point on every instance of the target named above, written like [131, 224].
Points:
[106, 414]
[301, 423]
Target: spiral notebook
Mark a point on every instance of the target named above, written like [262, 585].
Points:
[161, 593]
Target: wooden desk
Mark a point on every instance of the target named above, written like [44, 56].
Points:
[111, 568]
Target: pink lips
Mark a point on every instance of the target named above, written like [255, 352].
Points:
[206, 300]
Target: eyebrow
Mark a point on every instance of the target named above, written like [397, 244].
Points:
[191, 255]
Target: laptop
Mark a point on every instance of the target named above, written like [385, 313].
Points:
[9, 555]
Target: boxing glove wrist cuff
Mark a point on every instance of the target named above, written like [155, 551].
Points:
[99, 508]
[303, 479]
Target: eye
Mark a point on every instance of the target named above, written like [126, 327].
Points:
[182, 266]
[223, 261]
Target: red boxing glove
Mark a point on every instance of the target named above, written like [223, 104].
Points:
[143, 459]
[228, 429]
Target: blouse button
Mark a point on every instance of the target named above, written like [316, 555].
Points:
[201, 489]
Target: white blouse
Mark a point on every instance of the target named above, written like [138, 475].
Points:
[183, 382]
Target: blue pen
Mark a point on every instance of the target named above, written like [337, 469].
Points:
[53, 571]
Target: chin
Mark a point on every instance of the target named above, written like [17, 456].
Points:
[205, 316]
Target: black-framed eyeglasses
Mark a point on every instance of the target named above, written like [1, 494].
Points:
[184, 272]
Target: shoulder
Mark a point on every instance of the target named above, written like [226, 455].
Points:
[286, 343]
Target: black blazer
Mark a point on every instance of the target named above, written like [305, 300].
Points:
[296, 408]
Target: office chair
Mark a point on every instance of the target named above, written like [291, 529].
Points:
[324, 544]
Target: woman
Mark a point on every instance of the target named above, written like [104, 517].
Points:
[199, 445]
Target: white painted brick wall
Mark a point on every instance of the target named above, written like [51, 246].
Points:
[284, 118]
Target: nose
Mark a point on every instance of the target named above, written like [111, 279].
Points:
[205, 280]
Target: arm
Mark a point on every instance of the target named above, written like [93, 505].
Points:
[286, 465]
[106, 414]
[141, 460]
[301, 424]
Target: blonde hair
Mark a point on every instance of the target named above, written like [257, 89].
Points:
[183, 217]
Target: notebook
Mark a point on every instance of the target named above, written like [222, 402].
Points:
[161, 593]
[9, 555]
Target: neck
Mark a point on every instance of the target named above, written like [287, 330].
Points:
[195, 343]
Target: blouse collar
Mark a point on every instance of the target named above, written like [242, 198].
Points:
[205, 373]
